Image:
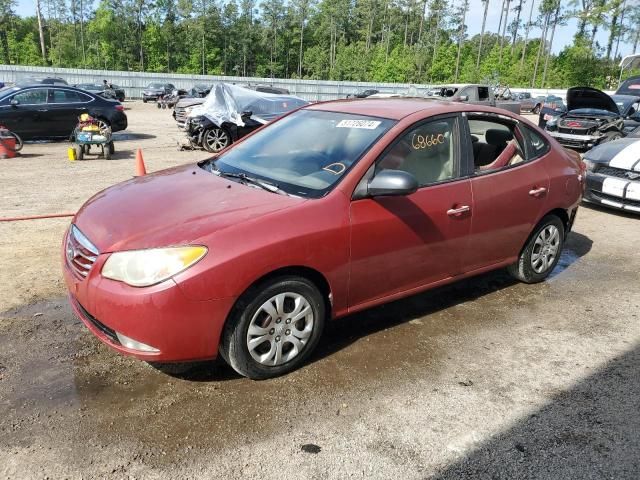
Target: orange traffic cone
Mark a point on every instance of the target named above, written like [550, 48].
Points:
[140, 168]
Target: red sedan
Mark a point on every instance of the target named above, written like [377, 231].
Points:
[332, 209]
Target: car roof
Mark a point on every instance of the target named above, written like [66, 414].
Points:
[397, 108]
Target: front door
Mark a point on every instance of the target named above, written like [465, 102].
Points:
[25, 116]
[405, 242]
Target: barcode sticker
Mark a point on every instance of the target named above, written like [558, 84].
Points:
[366, 124]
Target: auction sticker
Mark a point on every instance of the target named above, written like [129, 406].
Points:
[366, 124]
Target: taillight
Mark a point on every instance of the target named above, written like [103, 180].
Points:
[120, 108]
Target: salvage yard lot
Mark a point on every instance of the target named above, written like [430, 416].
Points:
[487, 378]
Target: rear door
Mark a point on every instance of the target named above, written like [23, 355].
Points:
[65, 106]
[509, 185]
[26, 117]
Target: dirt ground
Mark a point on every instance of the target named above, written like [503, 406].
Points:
[487, 378]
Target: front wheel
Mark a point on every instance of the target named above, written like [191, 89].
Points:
[215, 139]
[541, 253]
[273, 328]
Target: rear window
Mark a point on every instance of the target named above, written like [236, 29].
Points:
[537, 146]
[630, 87]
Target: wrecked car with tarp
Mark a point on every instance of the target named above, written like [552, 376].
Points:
[230, 112]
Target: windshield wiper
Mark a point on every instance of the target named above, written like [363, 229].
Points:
[270, 187]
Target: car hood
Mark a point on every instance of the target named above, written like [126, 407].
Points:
[178, 206]
[189, 102]
[586, 97]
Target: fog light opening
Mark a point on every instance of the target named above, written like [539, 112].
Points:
[134, 344]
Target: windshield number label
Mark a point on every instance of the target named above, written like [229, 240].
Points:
[366, 124]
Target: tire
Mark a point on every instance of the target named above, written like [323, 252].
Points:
[19, 143]
[215, 139]
[79, 151]
[86, 149]
[112, 148]
[533, 264]
[276, 348]
[144, 100]
[536, 110]
[106, 152]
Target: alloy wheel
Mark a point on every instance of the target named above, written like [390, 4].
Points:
[280, 329]
[216, 139]
[545, 249]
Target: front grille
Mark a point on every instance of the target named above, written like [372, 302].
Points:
[574, 131]
[613, 172]
[80, 252]
[613, 198]
[96, 323]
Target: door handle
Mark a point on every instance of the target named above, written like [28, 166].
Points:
[43, 110]
[536, 192]
[455, 212]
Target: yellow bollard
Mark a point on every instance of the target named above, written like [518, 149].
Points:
[71, 153]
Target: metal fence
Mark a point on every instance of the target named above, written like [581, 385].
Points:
[134, 82]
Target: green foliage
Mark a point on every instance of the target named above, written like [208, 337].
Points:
[415, 41]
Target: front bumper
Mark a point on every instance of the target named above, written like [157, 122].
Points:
[160, 316]
[151, 96]
[613, 192]
[576, 141]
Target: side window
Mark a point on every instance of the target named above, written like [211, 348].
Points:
[426, 151]
[496, 145]
[483, 93]
[32, 97]
[537, 146]
[67, 96]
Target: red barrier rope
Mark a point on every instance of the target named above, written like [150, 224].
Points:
[36, 217]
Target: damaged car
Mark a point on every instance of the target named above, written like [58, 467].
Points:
[230, 112]
[592, 118]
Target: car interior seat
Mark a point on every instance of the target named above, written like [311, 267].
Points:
[432, 163]
[496, 141]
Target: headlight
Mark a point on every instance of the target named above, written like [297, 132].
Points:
[143, 268]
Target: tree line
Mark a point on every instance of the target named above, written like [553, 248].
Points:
[410, 41]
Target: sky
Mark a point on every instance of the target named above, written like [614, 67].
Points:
[563, 35]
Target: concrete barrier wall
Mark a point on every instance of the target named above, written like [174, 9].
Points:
[134, 82]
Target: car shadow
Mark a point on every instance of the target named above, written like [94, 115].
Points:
[127, 136]
[611, 211]
[591, 430]
[341, 333]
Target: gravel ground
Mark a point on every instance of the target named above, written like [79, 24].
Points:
[486, 378]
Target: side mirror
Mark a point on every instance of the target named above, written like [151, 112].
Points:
[245, 115]
[14, 102]
[464, 98]
[392, 183]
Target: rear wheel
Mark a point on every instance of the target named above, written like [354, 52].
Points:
[79, 152]
[541, 253]
[273, 328]
[144, 100]
[112, 147]
[215, 139]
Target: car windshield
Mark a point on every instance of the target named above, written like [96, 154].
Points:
[155, 85]
[306, 153]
